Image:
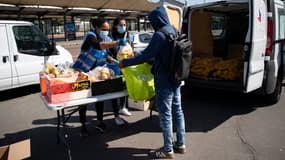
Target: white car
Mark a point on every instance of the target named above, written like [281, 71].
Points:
[24, 50]
[140, 40]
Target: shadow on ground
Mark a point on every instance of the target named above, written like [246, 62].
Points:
[44, 142]
[19, 92]
[204, 111]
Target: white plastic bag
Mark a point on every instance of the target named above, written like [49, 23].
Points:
[125, 52]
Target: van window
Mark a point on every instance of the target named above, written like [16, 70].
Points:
[30, 40]
[217, 25]
[281, 14]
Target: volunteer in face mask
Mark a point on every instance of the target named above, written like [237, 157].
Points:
[94, 53]
[119, 31]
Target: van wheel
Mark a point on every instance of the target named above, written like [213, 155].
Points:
[276, 95]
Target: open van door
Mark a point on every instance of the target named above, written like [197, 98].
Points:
[282, 22]
[279, 24]
[174, 10]
[255, 45]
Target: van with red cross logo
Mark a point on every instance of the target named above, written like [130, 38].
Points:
[237, 45]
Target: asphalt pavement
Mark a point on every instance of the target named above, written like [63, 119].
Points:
[220, 125]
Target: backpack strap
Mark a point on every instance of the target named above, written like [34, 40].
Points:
[171, 36]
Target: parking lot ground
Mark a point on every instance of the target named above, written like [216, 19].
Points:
[219, 126]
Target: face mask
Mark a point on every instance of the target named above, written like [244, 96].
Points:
[121, 29]
[103, 34]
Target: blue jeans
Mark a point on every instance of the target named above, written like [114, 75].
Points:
[168, 102]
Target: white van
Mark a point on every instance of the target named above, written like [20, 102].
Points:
[237, 44]
[24, 49]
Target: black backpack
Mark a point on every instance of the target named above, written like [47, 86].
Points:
[180, 59]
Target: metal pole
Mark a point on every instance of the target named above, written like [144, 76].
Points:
[145, 27]
[52, 30]
[84, 30]
[73, 22]
[40, 23]
[138, 23]
[64, 29]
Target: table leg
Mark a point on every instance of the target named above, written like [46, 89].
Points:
[64, 124]
[65, 138]
[58, 127]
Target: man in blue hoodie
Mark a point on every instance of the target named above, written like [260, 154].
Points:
[168, 98]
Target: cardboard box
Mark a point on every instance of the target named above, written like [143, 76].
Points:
[140, 105]
[108, 86]
[66, 89]
[16, 151]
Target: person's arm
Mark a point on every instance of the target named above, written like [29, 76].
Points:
[154, 47]
[112, 52]
[110, 59]
[101, 45]
[106, 45]
[93, 41]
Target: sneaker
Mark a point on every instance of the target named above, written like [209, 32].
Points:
[179, 149]
[101, 127]
[119, 121]
[125, 111]
[83, 131]
[161, 154]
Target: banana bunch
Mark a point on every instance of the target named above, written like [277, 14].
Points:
[228, 69]
[217, 68]
[82, 76]
[51, 69]
[203, 67]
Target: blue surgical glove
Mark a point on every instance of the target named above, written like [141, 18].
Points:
[116, 62]
[137, 53]
[122, 42]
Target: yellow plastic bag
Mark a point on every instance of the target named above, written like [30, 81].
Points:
[139, 82]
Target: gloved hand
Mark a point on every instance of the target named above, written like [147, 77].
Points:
[112, 60]
[116, 62]
[122, 42]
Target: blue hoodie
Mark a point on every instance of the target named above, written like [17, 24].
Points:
[158, 48]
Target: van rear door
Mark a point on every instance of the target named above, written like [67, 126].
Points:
[174, 10]
[282, 34]
[279, 27]
[255, 45]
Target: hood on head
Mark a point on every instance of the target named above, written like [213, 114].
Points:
[158, 18]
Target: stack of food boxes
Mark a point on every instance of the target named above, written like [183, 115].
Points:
[62, 86]
[66, 89]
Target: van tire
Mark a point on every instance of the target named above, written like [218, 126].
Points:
[275, 96]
